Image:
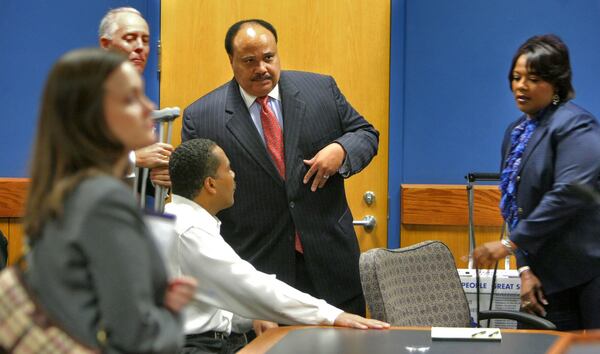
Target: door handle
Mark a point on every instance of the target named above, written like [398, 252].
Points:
[368, 222]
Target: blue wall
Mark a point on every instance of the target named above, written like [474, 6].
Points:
[449, 93]
[449, 87]
[33, 35]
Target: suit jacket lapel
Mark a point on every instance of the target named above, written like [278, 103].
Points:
[241, 127]
[293, 115]
[536, 137]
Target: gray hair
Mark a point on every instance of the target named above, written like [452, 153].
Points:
[108, 24]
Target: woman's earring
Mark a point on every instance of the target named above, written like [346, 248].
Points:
[555, 99]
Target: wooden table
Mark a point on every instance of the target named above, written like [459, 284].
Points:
[334, 340]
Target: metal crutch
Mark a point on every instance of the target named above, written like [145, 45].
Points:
[165, 115]
[471, 178]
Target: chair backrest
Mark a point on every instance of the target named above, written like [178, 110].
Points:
[414, 286]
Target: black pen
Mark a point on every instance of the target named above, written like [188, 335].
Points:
[477, 333]
[494, 333]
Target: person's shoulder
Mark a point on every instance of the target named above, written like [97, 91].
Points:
[574, 109]
[217, 95]
[569, 113]
[96, 189]
[306, 82]
[98, 195]
[569, 116]
[101, 184]
[185, 215]
[304, 75]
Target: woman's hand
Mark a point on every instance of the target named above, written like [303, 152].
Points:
[486, 255]
[532, 296]
[354, 321]
[179, 293]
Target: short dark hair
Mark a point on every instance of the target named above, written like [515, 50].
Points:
[235, 28]
[548, 57]
[190, 164]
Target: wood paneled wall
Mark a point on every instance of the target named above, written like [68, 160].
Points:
[440, 212]
[429, 212]
[13, 193]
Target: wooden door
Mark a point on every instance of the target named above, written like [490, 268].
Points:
[348, 39]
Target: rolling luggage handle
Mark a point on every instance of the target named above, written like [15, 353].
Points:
[165, 115]
[471, 178]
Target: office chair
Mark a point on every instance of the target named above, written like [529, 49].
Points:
[419, 286]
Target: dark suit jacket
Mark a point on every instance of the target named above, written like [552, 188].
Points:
[559, 230]
[260, 226]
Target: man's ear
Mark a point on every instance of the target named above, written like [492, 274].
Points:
[209, 185]
[230, 59]
[105, 42]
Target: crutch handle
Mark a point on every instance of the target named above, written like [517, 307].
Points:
[482, 176]
[166, 114]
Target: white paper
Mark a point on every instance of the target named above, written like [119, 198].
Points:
[162, 229]
[466, 333]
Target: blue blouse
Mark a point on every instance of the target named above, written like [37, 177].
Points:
[508, 179]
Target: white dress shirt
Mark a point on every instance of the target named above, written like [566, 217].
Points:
[228, 283]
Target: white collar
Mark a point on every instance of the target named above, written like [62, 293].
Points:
[249, 99]
[205, 216]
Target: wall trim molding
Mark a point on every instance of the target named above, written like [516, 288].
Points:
[446, 204]
[13, 194]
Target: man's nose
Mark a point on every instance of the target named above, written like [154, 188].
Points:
[262, 67]
[138, 45]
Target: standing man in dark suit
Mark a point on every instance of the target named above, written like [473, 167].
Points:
[292, 139]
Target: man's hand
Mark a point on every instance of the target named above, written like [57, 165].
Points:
[261, 326]
[152, 156]
[487, 254]
[354, 321]
[179, 293]
[532, 296]
[160, 176]
[324, 164]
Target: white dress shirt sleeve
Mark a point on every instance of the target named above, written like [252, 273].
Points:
[228, 282]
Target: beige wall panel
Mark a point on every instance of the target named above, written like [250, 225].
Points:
[16, 239]
[455, 237]
[4, 226]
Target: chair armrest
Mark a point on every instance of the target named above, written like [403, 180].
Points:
[527, 318]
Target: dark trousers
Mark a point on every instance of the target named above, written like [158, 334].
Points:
[213, 343]
[355, 305]
[575, 308]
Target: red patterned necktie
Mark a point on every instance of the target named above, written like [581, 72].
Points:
[274, 143]
[273, 135]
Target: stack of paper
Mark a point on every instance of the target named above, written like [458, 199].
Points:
[465, 333]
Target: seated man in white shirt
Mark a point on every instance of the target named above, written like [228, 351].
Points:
[203, 184]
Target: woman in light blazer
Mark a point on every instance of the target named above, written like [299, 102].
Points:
[93, 263]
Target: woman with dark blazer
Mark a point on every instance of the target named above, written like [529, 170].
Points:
[93, 264]
[550, 172]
